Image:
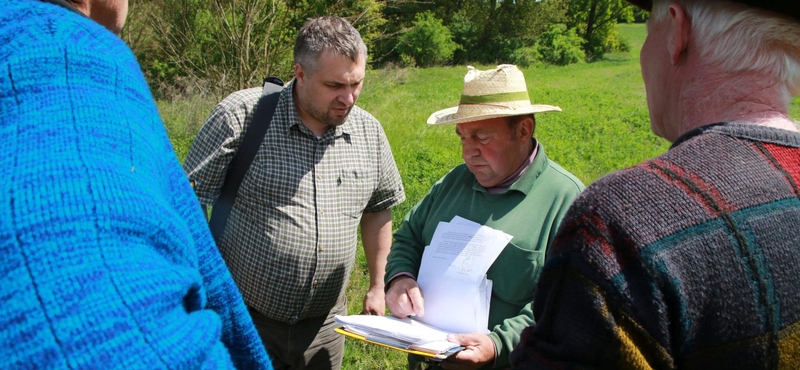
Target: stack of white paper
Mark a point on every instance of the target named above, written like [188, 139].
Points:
[402, 333]
[452, 275]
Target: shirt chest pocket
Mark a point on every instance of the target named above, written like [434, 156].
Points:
[514, 274]
[354, 189]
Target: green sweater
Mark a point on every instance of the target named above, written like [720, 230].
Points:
[530, 210]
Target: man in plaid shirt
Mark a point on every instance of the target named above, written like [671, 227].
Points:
[324, 168]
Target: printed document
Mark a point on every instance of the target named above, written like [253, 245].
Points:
[452, 275]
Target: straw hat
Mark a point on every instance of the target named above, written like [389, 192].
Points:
[499, 92]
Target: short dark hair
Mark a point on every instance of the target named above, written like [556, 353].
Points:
[327, 33]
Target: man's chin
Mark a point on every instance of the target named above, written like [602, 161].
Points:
[482, 179]
[336, 120]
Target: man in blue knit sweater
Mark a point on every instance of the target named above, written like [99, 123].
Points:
[105, 258]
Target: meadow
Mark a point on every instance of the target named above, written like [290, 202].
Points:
[604, 127]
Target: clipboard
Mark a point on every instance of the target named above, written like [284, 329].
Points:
[432, 356]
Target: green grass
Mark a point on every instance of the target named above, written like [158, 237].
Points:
[604, 127]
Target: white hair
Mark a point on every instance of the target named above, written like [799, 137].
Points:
[738, 38]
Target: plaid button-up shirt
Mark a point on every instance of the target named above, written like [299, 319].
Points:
[290, 240]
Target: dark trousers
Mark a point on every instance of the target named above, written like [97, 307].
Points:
[308, 344]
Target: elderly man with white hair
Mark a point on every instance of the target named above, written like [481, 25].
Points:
[690, 260]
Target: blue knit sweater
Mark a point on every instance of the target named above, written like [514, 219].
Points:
[105, 258]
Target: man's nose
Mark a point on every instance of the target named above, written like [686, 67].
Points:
[348, 97]
[469, 149]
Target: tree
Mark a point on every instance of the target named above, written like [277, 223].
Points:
[428, 42]
[219, 46]
[493, 31]
[596, 22]
[487, 31]
[214, 46]
[559, 47]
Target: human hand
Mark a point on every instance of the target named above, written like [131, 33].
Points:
[404, 298]
[478, 351]
[374, 302]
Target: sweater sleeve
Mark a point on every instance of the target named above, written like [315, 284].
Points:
[238, 334]
[507, 335]
[584, 311]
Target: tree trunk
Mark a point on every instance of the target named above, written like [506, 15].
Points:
[590, 20]
[487, 32]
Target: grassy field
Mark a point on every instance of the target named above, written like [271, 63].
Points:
[604, 126]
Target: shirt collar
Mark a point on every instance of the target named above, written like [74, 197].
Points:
[286, 105]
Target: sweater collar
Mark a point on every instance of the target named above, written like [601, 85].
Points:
[744, 131]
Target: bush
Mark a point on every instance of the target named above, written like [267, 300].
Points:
[407, 61]
[428, 42]
[525, 57]
[601, 43]
[188, 47]
[560, 48]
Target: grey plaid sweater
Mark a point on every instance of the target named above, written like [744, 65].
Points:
[690, 260]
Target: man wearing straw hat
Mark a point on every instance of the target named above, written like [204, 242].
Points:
[507, 183]
[690, 260]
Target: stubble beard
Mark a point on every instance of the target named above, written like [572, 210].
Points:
[326, 117]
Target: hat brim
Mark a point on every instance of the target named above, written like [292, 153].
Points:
[447, 116]
[643, 4]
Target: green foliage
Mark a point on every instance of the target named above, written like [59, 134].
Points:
[183, 119]
[429, 42]
[490, 31]
[596, 22]
[495, 31]
[407, 61]
[559, 47]
[219, 46]
[604, 41]
[525, 56]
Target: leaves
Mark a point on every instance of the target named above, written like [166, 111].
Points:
[219, 46]
[596, 22]
[559, 47]
[428, 42]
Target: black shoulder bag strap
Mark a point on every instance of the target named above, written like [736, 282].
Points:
[245, 155]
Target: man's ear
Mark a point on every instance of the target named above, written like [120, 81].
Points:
[680, 27]
[298, 72]
[525, 128]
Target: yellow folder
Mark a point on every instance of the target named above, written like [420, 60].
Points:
[362, 338]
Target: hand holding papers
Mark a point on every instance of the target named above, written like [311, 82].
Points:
[457, 294]
[452, 275]
[403, 334]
